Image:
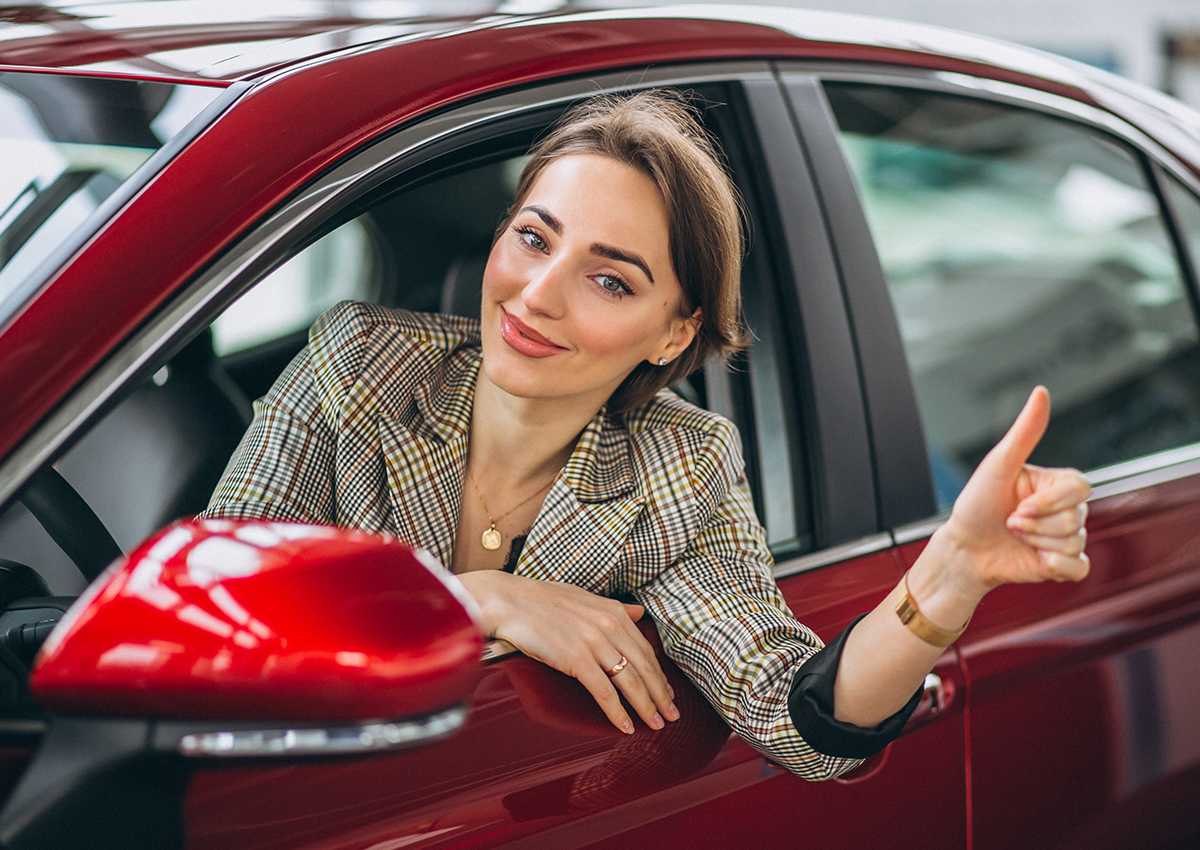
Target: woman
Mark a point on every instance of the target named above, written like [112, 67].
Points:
[534, 454]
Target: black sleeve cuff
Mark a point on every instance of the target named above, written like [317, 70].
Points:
[810, 703]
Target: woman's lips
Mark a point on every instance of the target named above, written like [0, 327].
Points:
[525, 339]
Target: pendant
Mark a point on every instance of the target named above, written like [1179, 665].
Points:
[491, 539]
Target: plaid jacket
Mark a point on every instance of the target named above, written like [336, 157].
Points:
[368, 428]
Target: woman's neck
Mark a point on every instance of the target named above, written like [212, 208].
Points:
[516, 442]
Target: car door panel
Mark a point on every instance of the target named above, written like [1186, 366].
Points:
[1083, 696]
[538, 765]
[1080, 724]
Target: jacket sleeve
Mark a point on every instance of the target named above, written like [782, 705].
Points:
[723, 620]
[284, 466]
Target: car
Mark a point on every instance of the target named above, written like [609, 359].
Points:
[937, 222]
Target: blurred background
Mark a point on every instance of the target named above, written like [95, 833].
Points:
[1155, 42]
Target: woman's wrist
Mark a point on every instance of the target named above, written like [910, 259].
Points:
[943, 582]
[487, 588]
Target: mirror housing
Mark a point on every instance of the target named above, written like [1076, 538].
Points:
[235, 639]
[239, 620]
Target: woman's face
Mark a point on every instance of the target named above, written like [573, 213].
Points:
[579, 288]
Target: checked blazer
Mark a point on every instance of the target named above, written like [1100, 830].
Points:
[368, 428]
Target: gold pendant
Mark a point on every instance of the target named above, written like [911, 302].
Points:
[491, 539]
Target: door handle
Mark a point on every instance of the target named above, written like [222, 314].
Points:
[936, 696]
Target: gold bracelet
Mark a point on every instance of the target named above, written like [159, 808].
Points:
[911, 616]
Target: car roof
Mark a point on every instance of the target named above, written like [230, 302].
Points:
[214, 40]
[222, 41]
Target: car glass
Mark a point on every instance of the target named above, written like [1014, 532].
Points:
[1021, 248]
[68, 142]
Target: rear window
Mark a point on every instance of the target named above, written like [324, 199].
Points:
[67, 144]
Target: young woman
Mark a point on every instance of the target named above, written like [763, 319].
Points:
[534, 453]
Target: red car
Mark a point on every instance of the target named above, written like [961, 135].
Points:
[938, 222]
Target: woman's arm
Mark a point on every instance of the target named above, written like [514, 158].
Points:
[1013, 522]
[580, 634]
[283, 467]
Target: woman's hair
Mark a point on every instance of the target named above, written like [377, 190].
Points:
[658, 133]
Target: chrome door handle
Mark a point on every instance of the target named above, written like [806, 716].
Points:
[936, 696]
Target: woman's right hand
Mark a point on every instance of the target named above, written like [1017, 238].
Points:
[580, 634]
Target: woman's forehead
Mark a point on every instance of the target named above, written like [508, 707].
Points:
[590, 190]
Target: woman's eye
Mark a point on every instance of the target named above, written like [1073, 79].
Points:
[532, 239]
[612, 283]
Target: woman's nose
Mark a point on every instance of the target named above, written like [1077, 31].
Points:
[545, 291]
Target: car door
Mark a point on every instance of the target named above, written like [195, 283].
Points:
[1026, 238]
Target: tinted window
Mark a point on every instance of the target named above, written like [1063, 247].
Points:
[1021, 249]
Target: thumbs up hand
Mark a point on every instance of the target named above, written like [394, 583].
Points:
[1018, 522]
[1013, 522]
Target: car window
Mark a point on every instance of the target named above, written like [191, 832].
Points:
[1021, 248]
[420, 244]
[68, 143]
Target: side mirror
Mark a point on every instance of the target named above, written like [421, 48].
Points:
[223, 638]
[264, 621]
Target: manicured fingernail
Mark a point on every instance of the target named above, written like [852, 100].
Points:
[627, 726]
[657, 722]
[672, 712]
[670, 692]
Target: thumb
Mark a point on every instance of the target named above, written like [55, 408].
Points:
[635, 612]
[1007, 456]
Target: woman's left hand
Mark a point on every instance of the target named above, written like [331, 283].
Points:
[1018, 522]
[1013, 522]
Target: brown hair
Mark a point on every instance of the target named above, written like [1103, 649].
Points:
[658, 133]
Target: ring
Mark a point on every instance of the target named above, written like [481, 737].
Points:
[618, 667]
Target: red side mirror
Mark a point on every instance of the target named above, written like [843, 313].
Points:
[240, 620]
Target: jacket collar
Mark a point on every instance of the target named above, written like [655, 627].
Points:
[444, 402]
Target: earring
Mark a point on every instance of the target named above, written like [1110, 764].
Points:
[662, 361]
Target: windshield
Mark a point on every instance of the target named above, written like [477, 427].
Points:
[67, 143]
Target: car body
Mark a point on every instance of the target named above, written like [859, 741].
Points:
[938, 222]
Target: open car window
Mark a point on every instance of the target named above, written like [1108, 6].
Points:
[418, 242]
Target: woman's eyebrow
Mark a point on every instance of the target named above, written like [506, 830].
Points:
[546, 216]
[611, 253]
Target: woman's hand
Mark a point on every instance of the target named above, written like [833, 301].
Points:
[580, 634]
[1015, 522]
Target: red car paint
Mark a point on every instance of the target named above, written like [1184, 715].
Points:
[230, 619]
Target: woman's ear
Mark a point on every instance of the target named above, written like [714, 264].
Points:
[683, 331]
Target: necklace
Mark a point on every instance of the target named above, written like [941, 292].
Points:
[491, 538]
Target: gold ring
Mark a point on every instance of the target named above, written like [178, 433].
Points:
[618, 667]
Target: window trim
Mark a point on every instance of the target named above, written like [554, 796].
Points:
[821, 346]
[903, 481]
